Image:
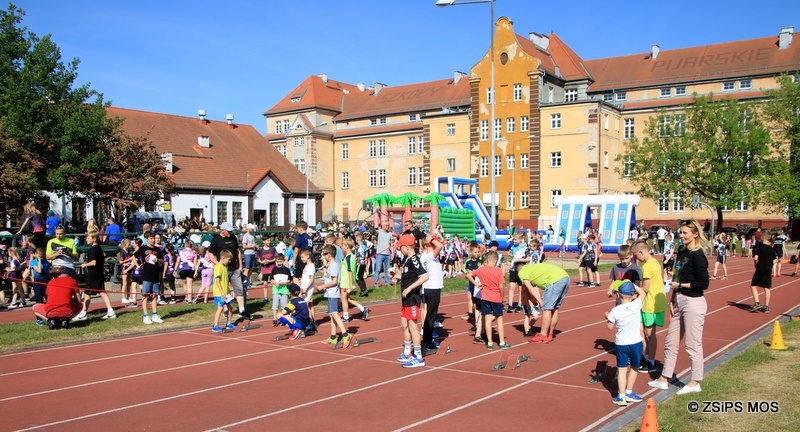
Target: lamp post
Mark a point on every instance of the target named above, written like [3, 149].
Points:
[493, 200]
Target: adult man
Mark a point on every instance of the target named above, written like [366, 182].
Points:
[113, 232]
[383, 255]
[660, 234]
[61, 246]
[62, 301]
[410, 228]
[555, 283]
[51, 223]
[226, 241]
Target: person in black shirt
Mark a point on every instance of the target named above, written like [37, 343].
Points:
[95, 278]
[764, 256]
[411, 281]
[152, 260]
[225, 240]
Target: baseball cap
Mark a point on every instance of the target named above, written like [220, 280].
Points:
[493, 243]
[63, 262]
[627, 288]
[50, 213]
[226, 226]
[294, 289]
[406, 240]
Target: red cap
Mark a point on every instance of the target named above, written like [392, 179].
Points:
[406, 240]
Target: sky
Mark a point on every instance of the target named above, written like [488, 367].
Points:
[241, 57]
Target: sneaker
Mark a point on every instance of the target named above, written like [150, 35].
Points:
[632, 397]
[216, 329]
[725, 278]
[539, 338]
[39, 323]
[414, 363]
[265, 301]
[644, 368]
[13, 305]
[690, 389]
[551, 337]
[131, 305]
[53, 324]
[109, 315]
[147, 320]
[765, 309]
[432, 346]
[330, 340]
[536, 310]
[80, 317]
[172, 301]
[162, 302]
[346, 320]
[473, 328]
[478, 340]
[404, 358]
[619, 401]
[157, 319]
[504, 346]
[510, 309]
[490, 347]
[437, 324]
[246, 315]
[580, 283]
[230, 326]
[64, 324]
[713, 278]
[365, 314]
[125, 300]
[296, 334]
[661, 385]
[651, 367]
[434, 335]
[528, 334]
[756, 307]
[274, 323]
[347, 338]
[794, 274]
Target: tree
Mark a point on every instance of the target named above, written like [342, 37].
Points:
[782, 113]
[407, 200]
[718, 149]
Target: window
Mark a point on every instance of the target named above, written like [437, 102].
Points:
[373, 178]
[412, 176]
[273, 214]
[299, 141]
[627, 169]
[680, 91]
[286, 126]
[517, 92]
[420, 145]
[222, 211]
[666, 92]
[345, 151]
[621, 96]
[421, 176]
[510, 162]
[79, 210]
[664, 126]
[498, 125]
[523, 124]
[727, 86]
[484, 130]
[605, 121]
[299, 212]
[484, 166]
[382, 178]
[412, 145]
[412, 117]
[745, 84]
[677, 202]
[509, 199]
[555, 160]
[451, 164]
[605, 160]
[553, 194]
[550, 94]
[278, 127]
[679, 124]
[608, 97]
[523, 199]
[523, 161]
[570, 95]
[373, 122]
[498, 168]
[555, 121]
[300, 164]
[345, 180]
[629, 128]
[381, 147]
[510, 125]
[281, 150]
[489, 96]
[373, 149]
[742, 204]
[382, 120]
[663, 202]
[451, 129]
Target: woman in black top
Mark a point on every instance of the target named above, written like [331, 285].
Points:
[687, 308]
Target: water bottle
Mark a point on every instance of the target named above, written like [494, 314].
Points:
[676, 274]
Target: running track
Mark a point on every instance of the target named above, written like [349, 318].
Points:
[197, 380]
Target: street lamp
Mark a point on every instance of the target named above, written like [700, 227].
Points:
[443, 3]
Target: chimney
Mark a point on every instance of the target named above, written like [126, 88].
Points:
[203, 141]
[324, 77]
[540, 41]
[229, 118]
[457, 76]
[379, 87]
[360, 86]
[785, 38]
[202, 114]
[654, 53]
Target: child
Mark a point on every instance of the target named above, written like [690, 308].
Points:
[764, 257]
[281, 278]
[95, 278]
[411, 278]
[489, 278]
[124, 259]
[519, 254]
[669, 257]
[779, 245]
[360, 251]
[307, 287]
[588, 260]
[347, 271]
[169, 273]
[721, 245]
[14, 272]
[266, 257]
[136, 272]
[431, 291]
[654, 303]
[331, 287]
[152, 260]
[472, 263]
[627, 319]
[206, 269]
[626, 269]
[41, 274]
[295, 314]
[222, 292]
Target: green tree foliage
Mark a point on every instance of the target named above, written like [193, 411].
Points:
[57, 137]
[718, 149]
[782, 114]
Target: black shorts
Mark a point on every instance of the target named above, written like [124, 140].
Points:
[266, 277]
[722, 259]
[670, 264]
[95, 282]
[136, 280]
[477, 303]
[513, 277]
[763, 280]
[589, 265]
[186, 274]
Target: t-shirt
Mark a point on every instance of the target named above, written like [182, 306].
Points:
[95, 253]
[267, 254]
[59, 294]
[412, 271]
[221, 287]
[187, 257]
[298, 308]
[669, 249]
[632, 273]
[149, 256]
[281, 276]
[492, 280]
[433, 267]
[332, 272]
[230, 243]
[628, 319]
[56, 244]
[766, 257]
[249, 240]
[589, 249]
[303, 241]
[655, 300]
[307, 277]
[541, 275]
[348, 266]
[721, 248]
[44, 276]
[777, 244]
[113, 232]
[469, 265]
[52, 222]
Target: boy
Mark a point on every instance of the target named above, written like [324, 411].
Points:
[431, 291]
[152, 260]
[473, 303]
[627, 319]
[625, 269]
[281, 277]
[307, 288]
[764, 257]
[295, 314]
[412, 277]
[721, 245]
[266, 257]
[779, 246]
[490, 279]
[347, 282]
[519, 254]
[588, 260]
[555, 283]
[654, 303]
[222, 293]
[332, 293]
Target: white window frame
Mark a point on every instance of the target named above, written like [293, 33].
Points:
[629, 128]
[517, 92]
[523, 161]
[680, 91]
[553, 194]
[570, 95]
[555, 159]
[728, 86]
[373, 122]
[523, 199]
[605, 160]
[663, 202]
[666, 92]
[451, 164]
[382, 148]
[555, 121]
[373, 148]
[373, 178]
[484, 166]
[608, 97]
[664, 126]
[412, 145]
[678, 124]
[382, 178]
[286, 126]
[278, 127]
[628, 167]
[489, 96]
[510, 199]
[523, 124]
[412, 117]
[382, 120]
[451, 129]
[498, 166]
[498, 128]
[621, 96]
[745, 84]
[510, 124]
[412, 176]
[345, 180]
[421, 176]
[345, 151]
[484, 130]
[510, 163]
[677, 202]
[420, 144]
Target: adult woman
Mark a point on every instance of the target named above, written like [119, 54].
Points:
[687, 308]
[33, 222]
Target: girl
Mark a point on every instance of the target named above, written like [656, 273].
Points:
[14, 271]
[40, 268]
[206, 273]
[721, 245]
[33, 222]
[188, 267]
[136, 272]
[169, 272]
[519, 255]
[125, 258]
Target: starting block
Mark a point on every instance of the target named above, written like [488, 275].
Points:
[281, 337]
[523, 358]
[359, 342]
[504, 356]
[248, 326]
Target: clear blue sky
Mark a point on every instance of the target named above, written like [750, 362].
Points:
[242, 56]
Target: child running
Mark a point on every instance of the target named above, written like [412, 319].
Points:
[627, 318]
[489, 278]
[764, 257]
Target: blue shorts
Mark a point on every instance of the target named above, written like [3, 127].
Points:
[333, 305]
[249, 261]
[554, 294]
[491, 308]
[153, 288]
[292, 323]
[219, 302]
[629, 355]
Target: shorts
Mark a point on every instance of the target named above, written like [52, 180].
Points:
[493, 308]
[589, 265]
[206, 276]
[153, 288]
[779, 255]
[411, 313]
[39, 308]
[763, 280]
[249, 260]
[279, 301]
[554, 294]
[136, 280]
[95, 282]
[292, 323]
[235, 279]
[477, 302]
[653, 319]
[513, 277]
[310, 294]
[266, 277]
[629, 355]
[333, 305]
[670, 264]
[186, 274]
[219, 302]
[722, 259]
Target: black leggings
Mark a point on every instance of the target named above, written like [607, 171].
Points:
[362, 284]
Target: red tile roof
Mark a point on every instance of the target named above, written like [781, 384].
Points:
[405, 98]
[558, 55]
[751, 57]
[313, 92]
[238, 159]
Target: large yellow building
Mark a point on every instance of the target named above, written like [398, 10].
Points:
[560, 122]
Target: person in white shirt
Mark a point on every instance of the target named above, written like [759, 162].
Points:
[626, 318]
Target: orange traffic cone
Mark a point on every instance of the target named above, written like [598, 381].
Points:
[649, 421]
[777, 337]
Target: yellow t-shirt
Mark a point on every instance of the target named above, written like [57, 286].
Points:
[655, 300]
[221, 274]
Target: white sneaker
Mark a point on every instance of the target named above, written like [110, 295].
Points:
[157, 319]
[80, 317]
[690, 389]
[147, 320]
[109, 315]
[125, 300]
[658, 384]
[162, 302]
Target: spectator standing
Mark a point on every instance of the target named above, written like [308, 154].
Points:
[225, 240]
[383, 253]
[95, 278]
[113, 232]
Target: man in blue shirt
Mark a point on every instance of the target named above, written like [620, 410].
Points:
[51, 223]
[113, 233]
